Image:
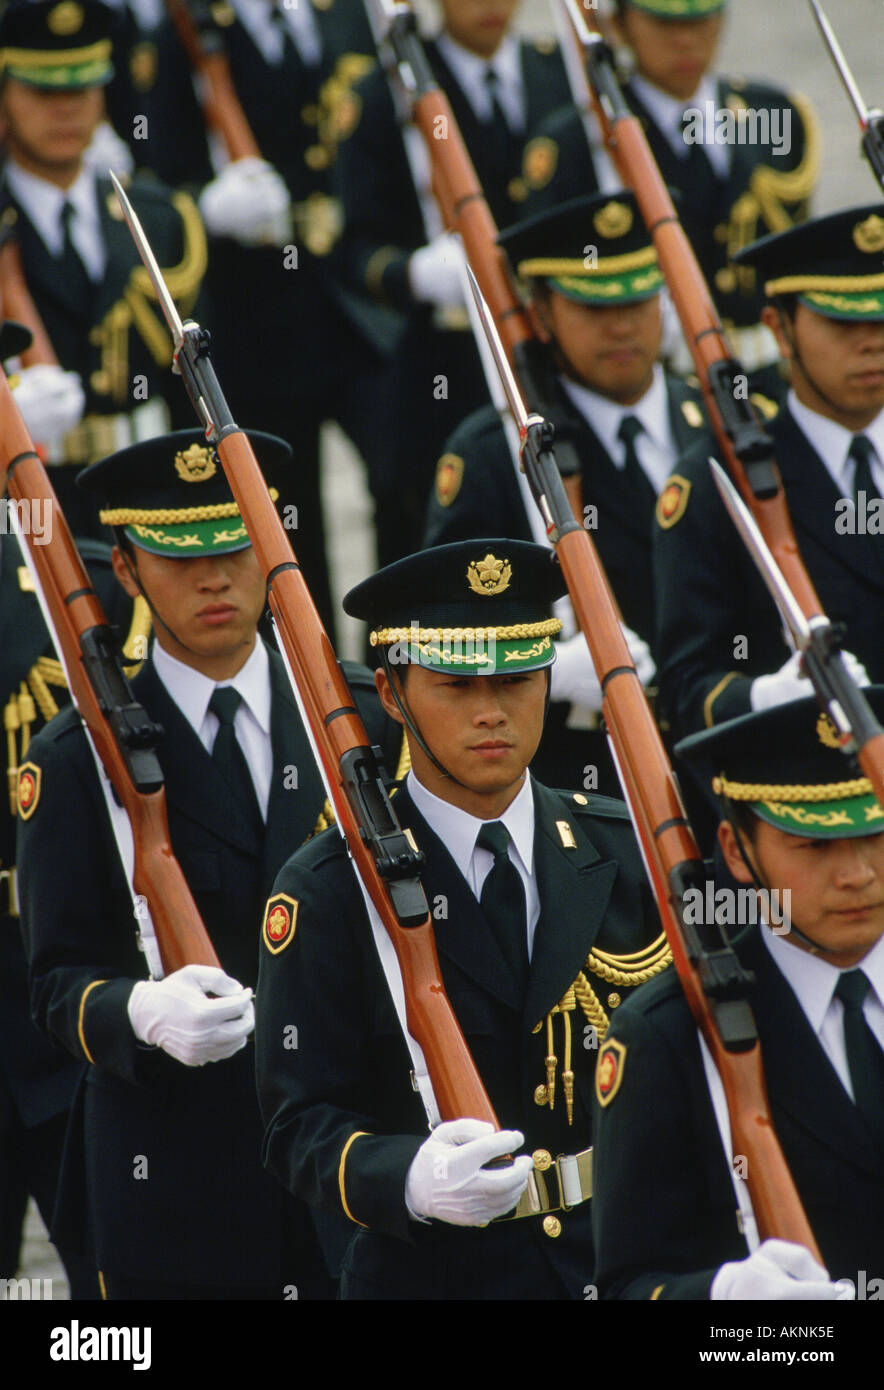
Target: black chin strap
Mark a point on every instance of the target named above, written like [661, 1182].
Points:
[402, 706]
[799, 361]
[728, 815]
[158, 619]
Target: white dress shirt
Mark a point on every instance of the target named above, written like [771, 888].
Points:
[458, 831]
[655, 446]
[668, 114]
[470, 72]
[813, 982]
[192, 692]
[254, 15]
[42, 202]
[832, 442]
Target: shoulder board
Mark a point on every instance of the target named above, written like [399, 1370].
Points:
[581, 804]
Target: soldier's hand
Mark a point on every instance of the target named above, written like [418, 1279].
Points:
[249, 202]
[51, 402]
[178, 1015]
[434, 273]
[780, 1271]
[447, 1180]
[789, 684]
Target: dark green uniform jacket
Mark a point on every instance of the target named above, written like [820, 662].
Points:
[350, 1070]
[206, 1213]
[477, 488]
[763, 192]
[664, 1212]
[709, 594]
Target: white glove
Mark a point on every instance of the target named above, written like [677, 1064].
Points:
[107, 151]
[446, 1180]
[51, 402]
[249, 202]
[787, 684]
[779, 1271]
[434, 273]
[573, 675]
[177, 1015]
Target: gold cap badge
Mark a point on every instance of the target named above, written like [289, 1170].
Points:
[489, 576]
[827, 733]
[196, 464]
[613, 220]
[66, 18]
[868, 236]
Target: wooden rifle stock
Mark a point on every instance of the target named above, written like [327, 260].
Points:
[87, 647]
[206, 53]
[739, 431]
[673, 860]
[465, 210]
[339, 736]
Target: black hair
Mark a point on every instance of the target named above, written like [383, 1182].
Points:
[785, 304]
[741, 817]
[124, 543]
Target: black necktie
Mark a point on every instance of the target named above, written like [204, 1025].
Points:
[291, 54]
[497, 133]
[864, 1055]
[700, 183]
[637, 481]
[503, 901]
[77, 282]
[862, 451]
[229, 758]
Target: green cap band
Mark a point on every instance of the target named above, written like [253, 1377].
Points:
[862, 305]
[824, 820]
[679, 9]
[219, 537]
[609, 289]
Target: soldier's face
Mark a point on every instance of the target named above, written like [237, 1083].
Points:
[483, 729]
[611, 348]
[837, 365]
[208, 605]
[672, 53]
[479, 25]
[47, 131]
[836, 886]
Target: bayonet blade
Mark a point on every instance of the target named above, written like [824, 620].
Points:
[793, 618]
[167, 304]
[508, 381]
[840, 62]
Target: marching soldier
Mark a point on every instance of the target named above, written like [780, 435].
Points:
[743, 156]
[110, 384]
[720, 653]
[542, 921]
[795, 822]
[163, 1174]
[394, 252]
[594, 286]
[273, 224]
[37, 1081]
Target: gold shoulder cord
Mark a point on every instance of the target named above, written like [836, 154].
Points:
[768, 193]
[627, 971]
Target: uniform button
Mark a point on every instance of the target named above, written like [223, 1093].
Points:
[541, 1095]
[726, 280]
[722, 232]
[542, 1159]
[552, 1226]
[613, 999]
[581, 799]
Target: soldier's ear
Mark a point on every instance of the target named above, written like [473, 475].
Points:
[382, 685]
[736, 864]
[538, 314]
[122, 568]
[780, 327]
